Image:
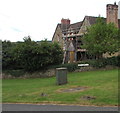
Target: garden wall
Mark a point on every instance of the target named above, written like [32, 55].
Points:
[41, 74]
[47, 73]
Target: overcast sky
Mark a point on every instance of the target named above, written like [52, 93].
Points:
[39, 18]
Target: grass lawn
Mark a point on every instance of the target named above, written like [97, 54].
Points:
[103, 85]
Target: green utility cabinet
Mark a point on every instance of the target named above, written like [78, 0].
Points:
[61, 76]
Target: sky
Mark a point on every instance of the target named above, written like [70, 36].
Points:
[39, 18]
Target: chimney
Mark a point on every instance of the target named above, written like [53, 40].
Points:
[65, 24]
[65, 21]
[112, 13]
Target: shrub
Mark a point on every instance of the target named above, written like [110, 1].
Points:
[33, 56]
[8, 61]
[70, 67]
[101, 63]
[29, 55]
[98, 63]
[115, 61]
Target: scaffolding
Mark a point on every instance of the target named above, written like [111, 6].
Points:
[69, 33]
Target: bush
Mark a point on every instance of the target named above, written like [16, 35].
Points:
[33, 56]
[30, 56]
[101, 63]
[98, 63]
[8, 61]
[115, 61]
[70, 67]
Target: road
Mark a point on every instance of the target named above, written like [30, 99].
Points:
[48, 107]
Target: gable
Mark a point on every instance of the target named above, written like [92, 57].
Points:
[57, 37]
[87, 22]
[57, 33]
[85, 25]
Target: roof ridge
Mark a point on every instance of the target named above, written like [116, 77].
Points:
[95, 17]
[91, 16]
[76, 23]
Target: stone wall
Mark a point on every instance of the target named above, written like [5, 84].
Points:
[40, 74]
[84, 26]
[90, 68]
[51, 72]
[106, 55]
[58, 36]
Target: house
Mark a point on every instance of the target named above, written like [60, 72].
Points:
[69, 35]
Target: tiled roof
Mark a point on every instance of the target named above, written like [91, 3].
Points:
[76, 26]
[63, 27]
[92, 20]
[72, 27]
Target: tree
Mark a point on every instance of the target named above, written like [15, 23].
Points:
[56, 53]
[33, 56]
[101, 38]
[8, 61]
[24, 54]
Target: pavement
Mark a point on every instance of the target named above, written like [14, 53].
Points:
[49, 107]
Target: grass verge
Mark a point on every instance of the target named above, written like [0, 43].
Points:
[103, 85]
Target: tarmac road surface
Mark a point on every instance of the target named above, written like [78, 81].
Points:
[49, 107]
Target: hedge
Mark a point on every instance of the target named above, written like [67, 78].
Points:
[70, 67]
[101, 63]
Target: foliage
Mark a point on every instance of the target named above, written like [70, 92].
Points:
[24, 54]
[8, 61]
[57, 54]
[32, 56]
[70, 67]
[51, 52]
[101, 38]
[101, 63]
[29, 55]
[97, 63]
[115, 61]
